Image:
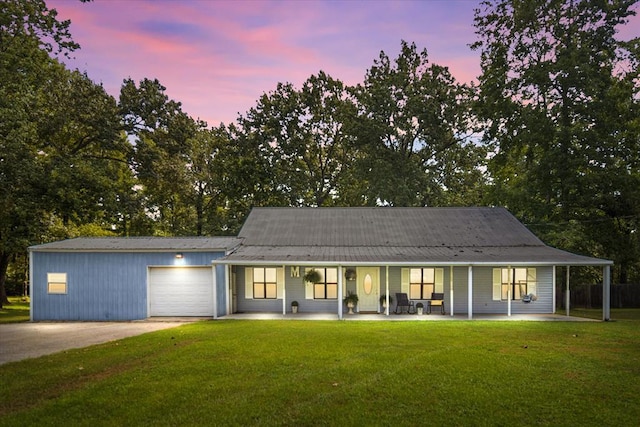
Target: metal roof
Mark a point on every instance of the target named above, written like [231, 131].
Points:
[140, 244]
[394, 236]
[477, 255]
[365, 227]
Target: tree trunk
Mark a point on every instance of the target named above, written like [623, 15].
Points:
[4, 264]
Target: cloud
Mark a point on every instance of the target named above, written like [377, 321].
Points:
[219, 57]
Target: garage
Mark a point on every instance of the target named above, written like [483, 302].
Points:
[180, 291]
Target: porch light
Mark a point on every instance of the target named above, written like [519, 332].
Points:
[179, 255]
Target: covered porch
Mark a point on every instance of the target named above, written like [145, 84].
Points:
[465, 292]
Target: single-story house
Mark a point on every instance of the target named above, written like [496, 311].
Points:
[479, 260]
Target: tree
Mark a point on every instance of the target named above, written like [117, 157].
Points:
[54, 124]
[559, 93]
[305, 135]
[162, 141]
[416, 132]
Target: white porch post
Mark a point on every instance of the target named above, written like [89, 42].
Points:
[451, 290]
[386, 290]
[470, 292]
[509, 290]
[227, 299]
[606, 293]
[214, 274]
[553, 291]
[284, 290]
[340, 292]
[568, 295]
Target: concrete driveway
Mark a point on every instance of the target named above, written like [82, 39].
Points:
[26, 340]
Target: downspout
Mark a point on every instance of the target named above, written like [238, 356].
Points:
[606, 293]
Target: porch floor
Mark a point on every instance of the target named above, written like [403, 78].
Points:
[406, 317]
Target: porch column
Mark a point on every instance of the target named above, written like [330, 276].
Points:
[284, 290]
[606, 293]
[227, 299]
[214, 284]
[568, 294]
[451, 290]
[470, 292]
[386, 292]
[553, 286]
[509, 290]
[340, 292]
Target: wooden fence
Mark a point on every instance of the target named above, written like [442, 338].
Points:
[590, 296]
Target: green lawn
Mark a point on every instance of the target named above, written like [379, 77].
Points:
[338, 373]
[17, 311]
[616, 313]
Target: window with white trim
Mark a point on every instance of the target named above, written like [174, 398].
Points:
[265, 283]
[513, 283]
[57, 283]
[422, 283]
[327, 287]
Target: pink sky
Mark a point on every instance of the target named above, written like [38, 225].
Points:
[218, 57]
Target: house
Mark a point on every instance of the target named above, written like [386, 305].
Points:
[482, 261]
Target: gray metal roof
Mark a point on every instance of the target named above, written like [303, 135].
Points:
[364, 227]
[139, 244]
[394, 236]
[477, 255]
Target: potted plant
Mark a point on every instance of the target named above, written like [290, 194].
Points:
[312, 276]
[294, 307]
[420, 308]
[351, 300]
[383, 300]
[350, 274]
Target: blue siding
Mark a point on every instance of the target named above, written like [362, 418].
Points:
[105, 286]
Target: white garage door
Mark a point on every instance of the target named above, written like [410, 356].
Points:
[180, 291]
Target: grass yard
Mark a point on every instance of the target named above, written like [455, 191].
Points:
[17, 311]
[338, 373]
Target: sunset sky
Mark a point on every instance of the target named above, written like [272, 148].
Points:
[218, 57]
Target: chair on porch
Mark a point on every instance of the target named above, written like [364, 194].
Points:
[437, 299]
[402, 302]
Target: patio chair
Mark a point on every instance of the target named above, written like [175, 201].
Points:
[402, 302]
[437, 299]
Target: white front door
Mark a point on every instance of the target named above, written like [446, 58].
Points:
[368, 282]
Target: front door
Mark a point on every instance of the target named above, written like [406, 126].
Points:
[368, 280]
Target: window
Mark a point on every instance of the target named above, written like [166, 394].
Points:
[513, 282]
[327, 288]
[57, 283]
[422, 283]
[265, 285]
